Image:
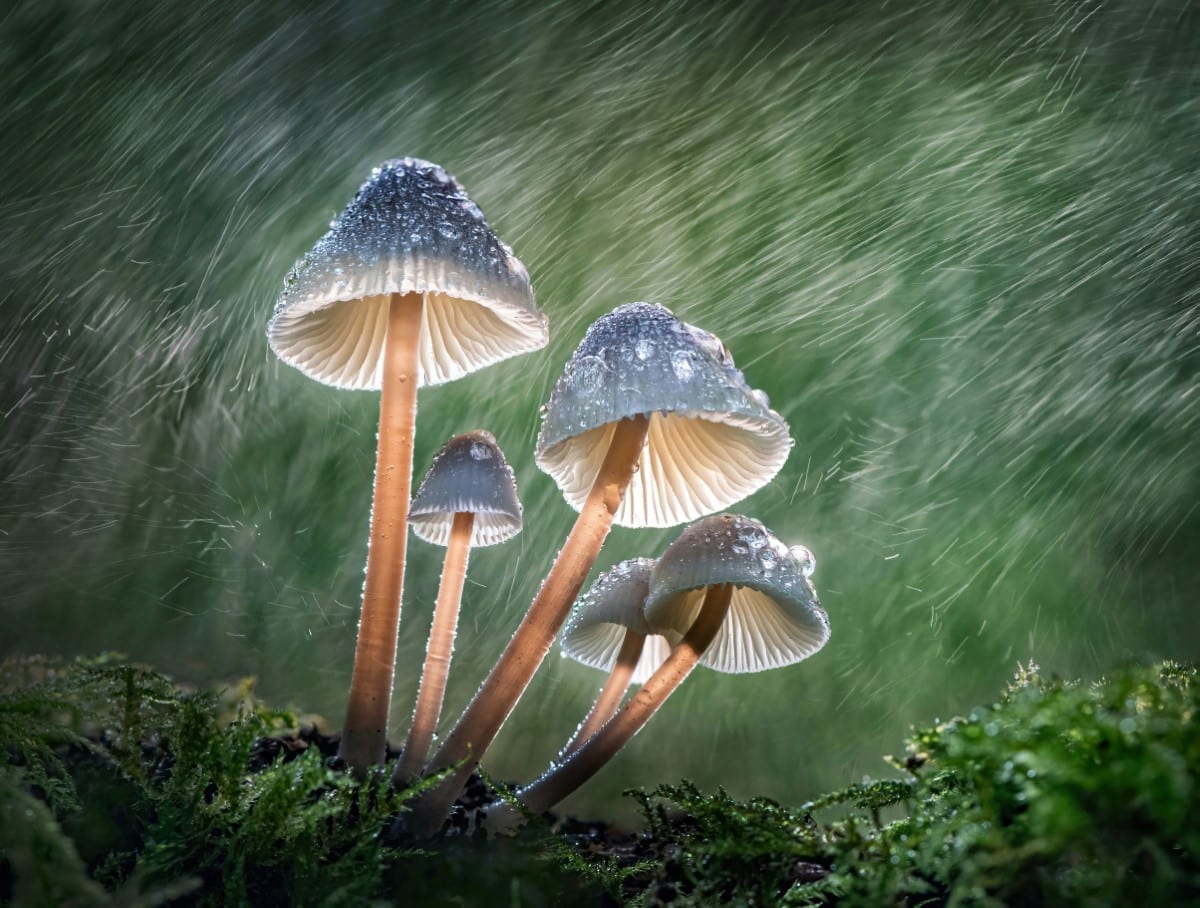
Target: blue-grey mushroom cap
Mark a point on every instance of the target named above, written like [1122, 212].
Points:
[596, 627]
[410, 229]
[774, 617]
[468, 474]
[712, 439]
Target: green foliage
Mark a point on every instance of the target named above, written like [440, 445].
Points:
[119, 786]
[118, 780]
[1060, 793]
[74, 784]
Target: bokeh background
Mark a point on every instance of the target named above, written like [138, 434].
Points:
[956, 242]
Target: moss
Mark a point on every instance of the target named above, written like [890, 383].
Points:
[117, 781]
[119, 785]
[1059, 793]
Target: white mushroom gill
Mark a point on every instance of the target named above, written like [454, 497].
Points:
[693, 464]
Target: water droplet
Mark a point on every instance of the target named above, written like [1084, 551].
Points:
[480, 451]
[448, 231]
[805, 558]
[712, 345]
[768, 559]
[588, 374]
[681, 362]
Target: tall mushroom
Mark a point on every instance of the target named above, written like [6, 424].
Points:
[735, 598]
[651, 424]
[467, 499]
[607, 630]
[409, 287]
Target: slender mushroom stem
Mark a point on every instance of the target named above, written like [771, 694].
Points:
[439, 651]
[364, 734]
[498, 694]
[612, 692]
[559, 782]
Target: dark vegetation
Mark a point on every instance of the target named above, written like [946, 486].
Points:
[120, 787]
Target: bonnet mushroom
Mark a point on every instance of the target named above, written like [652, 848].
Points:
[607, 630]
[728, 594]
[651, 424]
[409, 287]
[467, 499]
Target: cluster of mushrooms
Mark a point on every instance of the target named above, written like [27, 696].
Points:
[650, 425]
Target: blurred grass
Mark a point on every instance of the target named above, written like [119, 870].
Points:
[956, 243]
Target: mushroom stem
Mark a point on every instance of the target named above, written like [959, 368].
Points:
[559, 782]
[612, 692]
[364, 734]
[498, 694]
[439, 651]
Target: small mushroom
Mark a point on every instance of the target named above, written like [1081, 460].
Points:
[712, 440]
[467, 499]
[650, 424]
[733, 597]
[774, 618]
[409, 287]
[607, 630]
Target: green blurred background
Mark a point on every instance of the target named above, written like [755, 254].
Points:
[956, 242]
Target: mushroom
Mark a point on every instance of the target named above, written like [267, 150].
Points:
[651, 424]
[607, 630]
[467, 499]
[409, 287]
[729, 595]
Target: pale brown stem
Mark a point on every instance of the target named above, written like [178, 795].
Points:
[439, 652]
[612, 692]
[364, 734]
[559, 782]
[498, 694]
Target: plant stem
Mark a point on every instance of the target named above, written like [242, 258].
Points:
[559, 782]
[498, 694]
[612, 692]
[439, 652]
[364, 734]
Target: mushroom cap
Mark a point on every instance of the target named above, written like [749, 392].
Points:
[712, 439]
[410, 229]
[774, 617]
[468, 474]
[600, 617]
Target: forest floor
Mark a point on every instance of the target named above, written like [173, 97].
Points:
[120, 787]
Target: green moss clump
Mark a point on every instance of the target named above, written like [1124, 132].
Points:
[116, 781]
[118, 786]
[1059, 793]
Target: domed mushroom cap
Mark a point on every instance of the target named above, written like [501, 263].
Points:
[774, 617]
[410, 229]
[596, 627]
[468, 474]
[712, 439]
